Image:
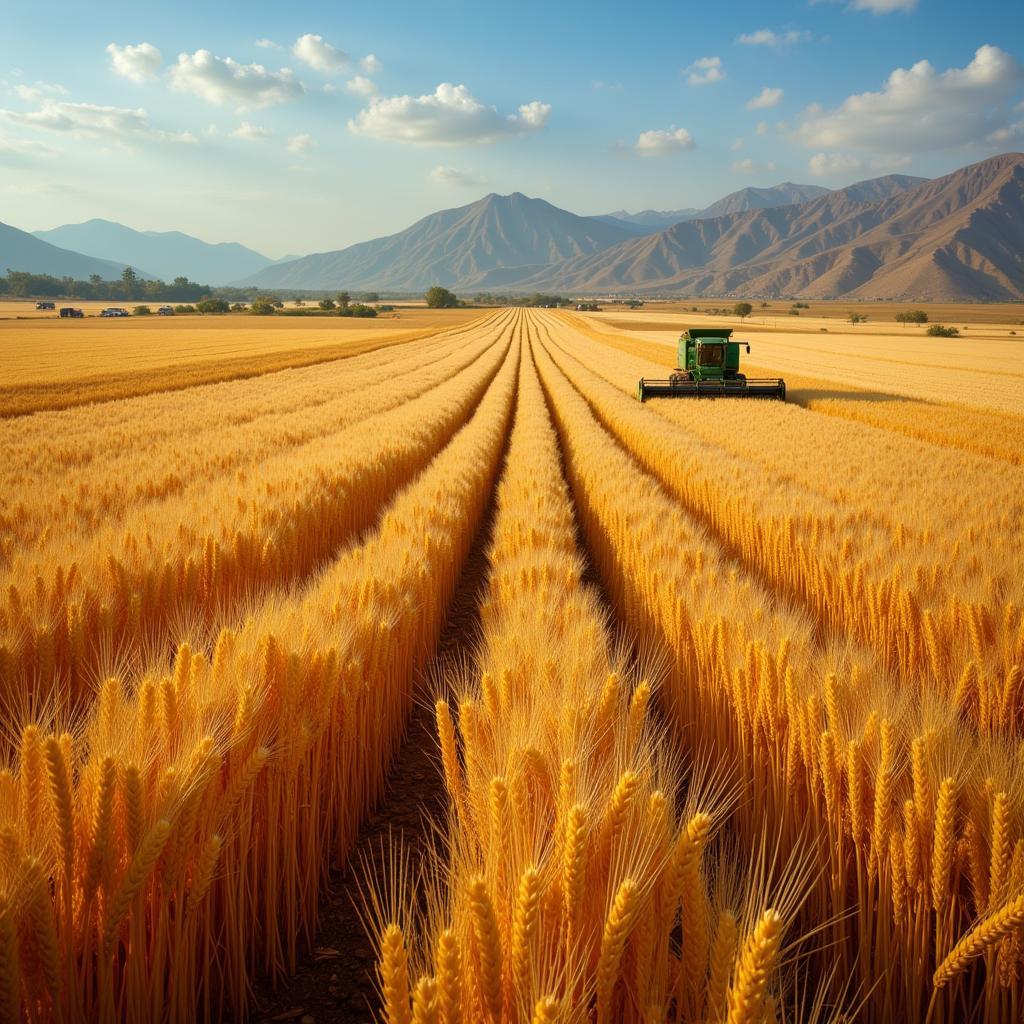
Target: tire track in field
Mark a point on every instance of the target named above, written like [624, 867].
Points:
[339, 982]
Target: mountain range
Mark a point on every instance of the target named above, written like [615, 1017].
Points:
[785, 194]
[452, 247]
[959, 237]
[162, 254]
[20, 250]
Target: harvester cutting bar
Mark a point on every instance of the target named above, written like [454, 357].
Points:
[765, 387]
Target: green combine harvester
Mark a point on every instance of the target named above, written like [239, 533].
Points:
[709, 367]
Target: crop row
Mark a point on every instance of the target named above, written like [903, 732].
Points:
[189, 823]
[201, 557]
[914, 841]
[67, 475]
[573, 856]
[926, 578]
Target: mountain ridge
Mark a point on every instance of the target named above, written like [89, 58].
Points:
[917, 243]
[23, 251]
[164, 254]
[450, 247]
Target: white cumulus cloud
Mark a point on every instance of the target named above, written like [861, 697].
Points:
[452, 176]
[89, 120]
[360, 86]
[450, 115]
[371, 64]
[768, 37]
[268, 44]
[320, 55]
[136, 63]
[222, 80]
[705, 71]
[300, 143]
[251, 132]
[662, 142]
[920, 109]
[766, 98]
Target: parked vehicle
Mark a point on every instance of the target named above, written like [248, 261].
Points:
[70, 311]
[44, 305]
[166, 311]
[114, 311]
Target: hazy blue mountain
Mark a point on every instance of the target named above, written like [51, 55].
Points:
[165, 254]
[20, 250]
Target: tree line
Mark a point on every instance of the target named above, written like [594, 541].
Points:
[22, 284]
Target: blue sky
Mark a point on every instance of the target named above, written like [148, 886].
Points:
[308, 126]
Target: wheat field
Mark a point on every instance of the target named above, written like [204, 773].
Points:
[736, 732]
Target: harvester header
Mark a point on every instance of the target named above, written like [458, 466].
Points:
[709, 367]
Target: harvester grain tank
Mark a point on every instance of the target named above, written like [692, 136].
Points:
[709, 367]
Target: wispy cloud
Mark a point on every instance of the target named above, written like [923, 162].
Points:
[767, 97]
[251, 132]
[90, 120]
[300, 143]
[776, 40]
[454, 177]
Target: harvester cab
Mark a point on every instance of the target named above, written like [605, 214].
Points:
[709, 367]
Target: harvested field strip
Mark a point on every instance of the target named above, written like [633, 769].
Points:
[129, 595]
[821, 749]
[236, 780]
[998, 434]
[838, 562]
[24, 399]
[62, 482]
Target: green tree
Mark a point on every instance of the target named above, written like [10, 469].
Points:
[262, 306]
[912, 316]
[743, 309]
[327, 304]
[131, 283]
[213, 306]
[440, 298]
[143, 311]
[344, 299]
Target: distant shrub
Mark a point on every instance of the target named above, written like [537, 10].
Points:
[142, 311]
[794, 312]
[358, 309]
[328, 304]
[912, 316]
[262, 307]
[938, 331]
[238, 307]
[213, 306]
[185, 309]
